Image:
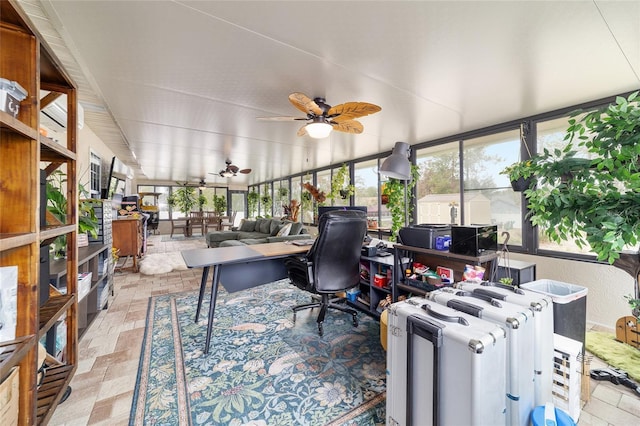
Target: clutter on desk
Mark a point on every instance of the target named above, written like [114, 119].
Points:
[473, 273]
[425, 278]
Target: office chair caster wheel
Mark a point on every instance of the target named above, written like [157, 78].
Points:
[355, 320]
[320, 329]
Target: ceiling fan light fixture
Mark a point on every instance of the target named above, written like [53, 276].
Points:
[397, 165]
[318, 128]
[227, 174]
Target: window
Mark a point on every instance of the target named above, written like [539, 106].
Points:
[438, 190]
[550, 135]
[163, 205]
[95, 175]
[282, 197]
[488, 196]
[366, 183]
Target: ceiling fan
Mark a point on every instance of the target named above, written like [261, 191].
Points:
[323, 118]
[231, 170]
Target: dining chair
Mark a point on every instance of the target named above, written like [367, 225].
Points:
[228, 221]
[196, 221]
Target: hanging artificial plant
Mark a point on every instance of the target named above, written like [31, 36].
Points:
[394, 190]
[252, 202]
[267, 202]
[340, 186]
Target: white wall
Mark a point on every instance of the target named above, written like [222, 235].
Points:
[87, 142]
[607, 285]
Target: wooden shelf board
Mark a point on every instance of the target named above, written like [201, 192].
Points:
[11, 241]
[55, 231]
[486, 257]
[53, 151]
[13, 352]
[7, 121]
[411, 289]
[51, 311]
[56, 381]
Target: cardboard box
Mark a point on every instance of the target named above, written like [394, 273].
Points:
[11, 94]
[9, 398]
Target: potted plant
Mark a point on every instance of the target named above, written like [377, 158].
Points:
[634, 304]
[266, 203]
[340, 186]
[520, 174]
[283, 192]
[397, 204]
[183, 198]
[506, 280]
[87, 219]
[219, 204]
[252, 202]
[593, 201]
[57, 207]
[202, 201]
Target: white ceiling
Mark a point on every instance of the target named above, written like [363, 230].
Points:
[182, 82]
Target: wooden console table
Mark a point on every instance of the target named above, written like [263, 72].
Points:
[128, 236]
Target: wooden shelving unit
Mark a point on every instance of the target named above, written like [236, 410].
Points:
[433, 258]
[28, 60]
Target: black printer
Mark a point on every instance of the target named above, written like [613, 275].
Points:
[423, 235]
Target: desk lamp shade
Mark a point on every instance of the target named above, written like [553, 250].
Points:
[397, 165]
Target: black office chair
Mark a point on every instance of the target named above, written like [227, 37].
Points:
[332, 264]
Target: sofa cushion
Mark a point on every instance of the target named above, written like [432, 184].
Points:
[245, 235]
[250, 241]
[263, 225]
[296, 227]
[284, 230]
[247, 226]
[275, 226]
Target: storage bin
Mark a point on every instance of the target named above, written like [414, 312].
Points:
[569, 306]
[11, 94]
[9, 396]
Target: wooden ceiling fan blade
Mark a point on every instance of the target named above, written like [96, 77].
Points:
[351, 110]
[302, 131]
[305, 103]
[233, 168]
[245, 171]
[349, 126]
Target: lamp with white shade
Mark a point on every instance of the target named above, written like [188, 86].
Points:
[318, 128]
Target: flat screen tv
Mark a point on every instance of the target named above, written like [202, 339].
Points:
[323, 209]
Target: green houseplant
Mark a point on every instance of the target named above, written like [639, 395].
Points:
[202, 201]
[340, 186]
[252, 202]
[399, 207]
[267, 202]
[57, 206]
[183, 198]
[219, 204]
[593, 201]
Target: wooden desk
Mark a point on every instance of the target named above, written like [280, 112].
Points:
[238, 268]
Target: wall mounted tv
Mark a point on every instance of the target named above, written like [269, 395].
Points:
[323, 209]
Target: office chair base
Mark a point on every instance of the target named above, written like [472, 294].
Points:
[324, 305]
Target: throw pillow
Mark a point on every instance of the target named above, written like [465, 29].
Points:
[296, 227]
[264, 226]
[247, 225]
[275, 227]
[284, 231]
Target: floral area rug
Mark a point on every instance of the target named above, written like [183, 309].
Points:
[261, 368]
